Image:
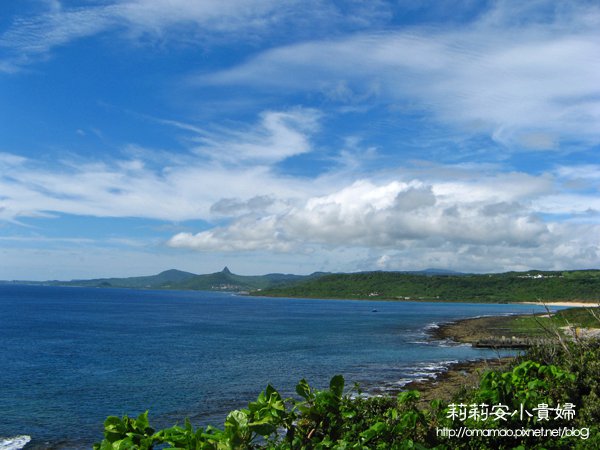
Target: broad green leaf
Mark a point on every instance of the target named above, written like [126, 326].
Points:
[336, 385]
[303, 389]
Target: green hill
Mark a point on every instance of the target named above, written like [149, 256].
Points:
[506, 287]
[227, 281]
[163, 280]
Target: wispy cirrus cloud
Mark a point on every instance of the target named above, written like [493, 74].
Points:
[196, 23]
[34, 36]
[529, 84]
[181, 187]
[38, 34]
[280, 135]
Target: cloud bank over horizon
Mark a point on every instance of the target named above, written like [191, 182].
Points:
[233, 134]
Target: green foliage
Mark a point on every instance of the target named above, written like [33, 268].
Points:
[126, 433]
[522, 389]
[529, 384]
[505, 287]
[582, 359]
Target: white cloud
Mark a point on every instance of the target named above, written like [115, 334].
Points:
[467, 217]
[39, 34]
[36, 35]
[482, 220]
[579, 172]
[568, 203]
[412, 225]
[566, 247]
[385, 216]
[193, 22]
[278, 136]
[183, 187]
[245, 234]
[235, 15]
[528, 84]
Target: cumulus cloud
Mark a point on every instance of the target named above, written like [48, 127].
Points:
[245, 234]
[384, 216]
[411, 226]
[468, 217]
[567, 247]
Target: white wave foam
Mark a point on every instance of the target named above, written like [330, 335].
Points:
[14, 443]
[445, 343]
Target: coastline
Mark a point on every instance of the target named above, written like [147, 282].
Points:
[574, 304]
[472, 330]
[463, 375]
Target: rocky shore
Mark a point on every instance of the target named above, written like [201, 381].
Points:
[471, 331]
[466, 374]
[456, 378]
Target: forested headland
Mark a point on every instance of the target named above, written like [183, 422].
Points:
[582, 285]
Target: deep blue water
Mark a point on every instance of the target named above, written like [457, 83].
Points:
[72, 356]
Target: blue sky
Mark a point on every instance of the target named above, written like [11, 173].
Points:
[297, 136]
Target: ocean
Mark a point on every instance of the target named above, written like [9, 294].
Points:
[73, 356]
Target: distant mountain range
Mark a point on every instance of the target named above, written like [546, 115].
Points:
[224, 280]
[430, 284]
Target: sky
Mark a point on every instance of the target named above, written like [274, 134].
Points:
[298, 136]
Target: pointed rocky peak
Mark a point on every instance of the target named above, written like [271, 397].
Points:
[226, 271]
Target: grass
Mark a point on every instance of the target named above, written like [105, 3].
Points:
[542, 325]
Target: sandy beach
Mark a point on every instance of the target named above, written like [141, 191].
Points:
[573, 304]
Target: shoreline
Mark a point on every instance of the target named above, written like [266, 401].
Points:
[462, 375]
[575, 304]
[474, 329]
[466, 374]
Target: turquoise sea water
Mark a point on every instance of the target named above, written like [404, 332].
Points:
[72, 356]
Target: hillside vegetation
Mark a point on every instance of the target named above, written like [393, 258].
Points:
[581, 285]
